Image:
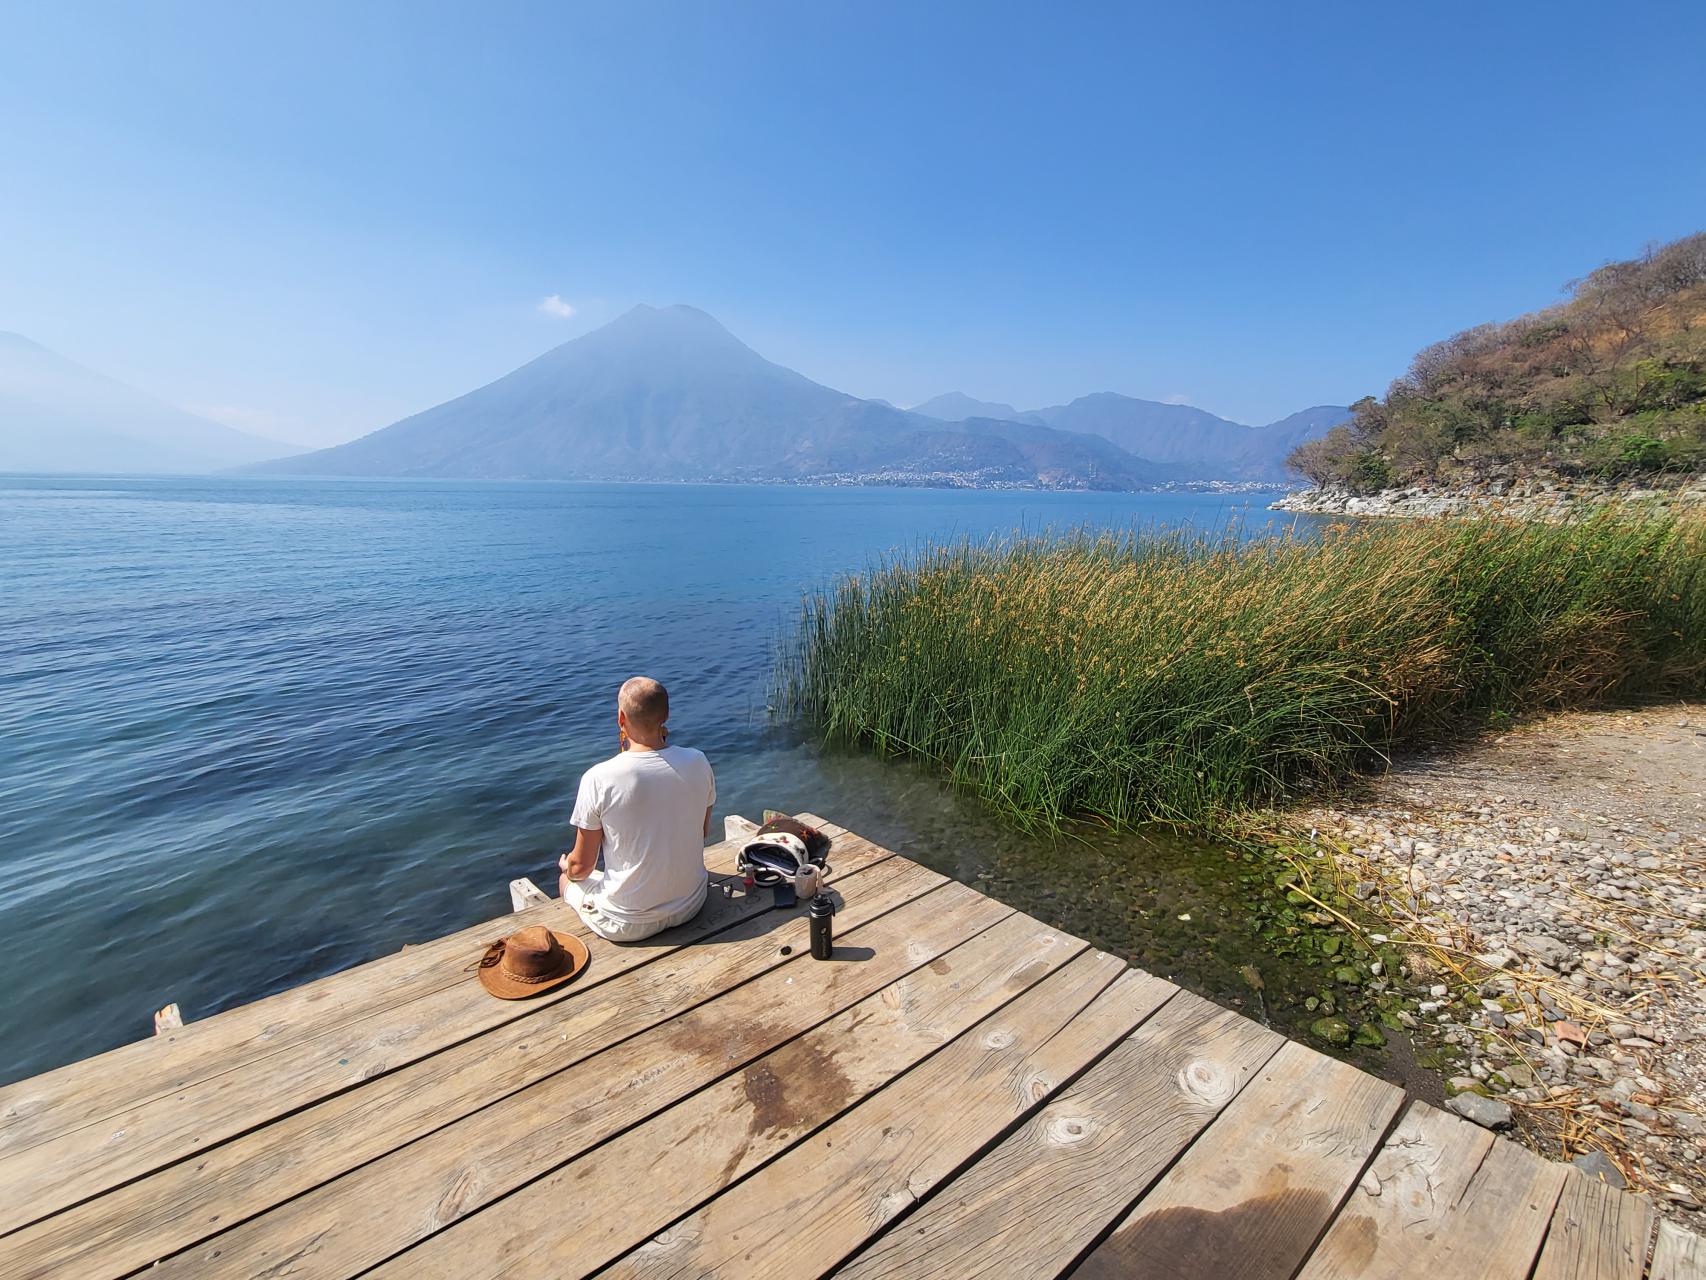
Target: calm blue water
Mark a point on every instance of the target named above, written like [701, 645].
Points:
[254, 731]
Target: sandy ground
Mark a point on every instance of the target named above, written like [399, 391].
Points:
[1560, 869]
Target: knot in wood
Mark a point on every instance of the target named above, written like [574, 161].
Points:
[1208, 1080]
[1064, 1131]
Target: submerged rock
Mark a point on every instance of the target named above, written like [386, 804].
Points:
[1332, 1030]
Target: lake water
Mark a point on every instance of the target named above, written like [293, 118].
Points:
[252, 732]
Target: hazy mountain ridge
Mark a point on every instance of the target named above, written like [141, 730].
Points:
[669, 394]
[956, 406]
[1186, 442]
[57, 415]
[659, 394]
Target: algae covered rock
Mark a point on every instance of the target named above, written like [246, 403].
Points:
[1332, 1030]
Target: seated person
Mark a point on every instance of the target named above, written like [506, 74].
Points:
[648, 810]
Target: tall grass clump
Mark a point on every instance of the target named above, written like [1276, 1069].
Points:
[1174, 677]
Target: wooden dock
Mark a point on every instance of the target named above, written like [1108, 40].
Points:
[962, 1091]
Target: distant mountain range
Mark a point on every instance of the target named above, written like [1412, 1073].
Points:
[56, 415]
[659, 394]
[956, 406]
[1190, 443]
[668, 394]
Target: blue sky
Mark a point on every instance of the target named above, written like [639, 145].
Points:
[311, 219]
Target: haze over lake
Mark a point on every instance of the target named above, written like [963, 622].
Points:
[255, 731]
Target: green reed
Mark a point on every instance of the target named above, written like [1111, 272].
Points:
[1175, 677]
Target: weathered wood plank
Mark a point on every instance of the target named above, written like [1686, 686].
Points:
[86, 1093]
[188, 1200]
[370, 1213]
[1252, 1194]
[853, 1176]
[1678, 1255]
[1597, 1233]
[686, 1155]
[1442, 1198]
[1036, 1202]
[93, 1090]
[753, 1092]
[89, 1159]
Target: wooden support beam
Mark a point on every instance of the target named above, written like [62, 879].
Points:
[1443, 1198]
[1679, 1254]
[523, 893]
[1598, 1232]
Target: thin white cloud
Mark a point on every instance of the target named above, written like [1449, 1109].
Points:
[555, 307]
[1178, 397]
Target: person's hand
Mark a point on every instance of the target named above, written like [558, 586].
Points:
[563, 862]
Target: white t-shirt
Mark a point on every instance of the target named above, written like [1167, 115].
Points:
[651, 806]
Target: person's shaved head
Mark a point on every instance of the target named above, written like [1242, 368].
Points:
[645, 702]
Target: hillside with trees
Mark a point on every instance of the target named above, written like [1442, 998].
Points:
[1609, 384]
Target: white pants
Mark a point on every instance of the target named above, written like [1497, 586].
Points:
[583, 896]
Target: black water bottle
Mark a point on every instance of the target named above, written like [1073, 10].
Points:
[823, 932]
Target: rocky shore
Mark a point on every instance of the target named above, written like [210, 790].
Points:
[1551, 498]
[1557, 877]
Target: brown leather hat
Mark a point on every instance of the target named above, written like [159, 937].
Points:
[530, 961]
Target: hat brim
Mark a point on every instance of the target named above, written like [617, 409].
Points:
[501, 985]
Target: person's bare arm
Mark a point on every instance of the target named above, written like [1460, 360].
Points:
[708, 809]
[577, 863]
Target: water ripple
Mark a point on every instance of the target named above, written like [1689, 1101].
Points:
[256, 731]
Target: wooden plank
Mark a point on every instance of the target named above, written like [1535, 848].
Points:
[362, 1218]
[1252, 1194]
[1036, 1202]
[1442, 1198]
[93, 1158]
[187, 1201]
[1597, 1233]
[692, 1151]
[93, 1090]
[805, 1211]
[1678, 1255]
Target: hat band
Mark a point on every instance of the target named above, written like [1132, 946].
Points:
[513, 976]
[522, 977]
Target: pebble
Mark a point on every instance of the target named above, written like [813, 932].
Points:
[1489, 1113]
[1598, 1166]
[1577, 886]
